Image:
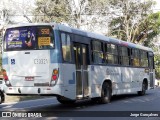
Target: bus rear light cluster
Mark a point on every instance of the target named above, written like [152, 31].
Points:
[54, 78]
[5, 77]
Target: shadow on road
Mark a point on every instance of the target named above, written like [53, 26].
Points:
[87, 108]
[82, 104]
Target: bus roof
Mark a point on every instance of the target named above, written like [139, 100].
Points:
[102, 37]
[87, 34]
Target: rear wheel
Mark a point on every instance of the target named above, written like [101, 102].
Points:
[2, 97]
[143, 91]
[105, 93]
[64, 100]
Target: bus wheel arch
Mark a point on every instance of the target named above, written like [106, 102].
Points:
[106, 92]
[146, 82]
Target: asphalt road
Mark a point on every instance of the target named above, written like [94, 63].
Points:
[121, 107]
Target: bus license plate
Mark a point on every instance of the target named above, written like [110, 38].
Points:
[29, 78]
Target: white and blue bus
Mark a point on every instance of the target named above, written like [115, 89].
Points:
[71, 64]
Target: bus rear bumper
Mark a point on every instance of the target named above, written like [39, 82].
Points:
[55, 90]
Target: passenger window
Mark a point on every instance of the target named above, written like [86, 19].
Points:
[66, 47]
[124, 56]
[135, 57]
[97, 52]
[111, 53]
[144, 59]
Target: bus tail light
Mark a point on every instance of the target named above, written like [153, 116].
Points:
[5, 77]
[54, 78]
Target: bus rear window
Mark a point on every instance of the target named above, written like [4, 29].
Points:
[29, 38]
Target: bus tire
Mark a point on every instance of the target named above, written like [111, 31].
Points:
[105, 93]
[143, 91]
[2, 97]
[63, 100]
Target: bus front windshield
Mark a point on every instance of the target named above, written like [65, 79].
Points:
[29, 38]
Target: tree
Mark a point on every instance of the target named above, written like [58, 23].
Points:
[133, 22]
[97, 16]
[13, 12]
[157, 65]
[152, 28]
[51, 11]
[86, 12]
[155, 45]
[77, 14]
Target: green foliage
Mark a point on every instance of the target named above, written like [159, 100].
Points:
[68, 11]
[157, 65]
[51, 11]
[152, 25]
[135, 21]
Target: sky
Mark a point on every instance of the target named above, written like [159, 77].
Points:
[157, 7]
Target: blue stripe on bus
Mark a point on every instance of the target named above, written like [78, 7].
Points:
[72, 81]
[5, 61]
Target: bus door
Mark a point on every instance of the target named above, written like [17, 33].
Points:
[151, 69]
[81, 64]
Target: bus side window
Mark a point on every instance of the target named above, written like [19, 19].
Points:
[124, 56]
[66, 47]
[111, 53]
[97, 52]
[135, 57]
[144, 59]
